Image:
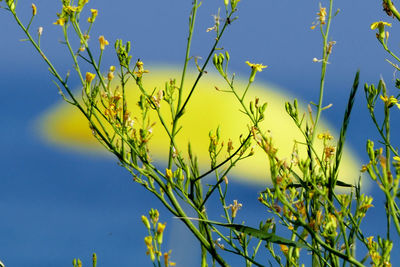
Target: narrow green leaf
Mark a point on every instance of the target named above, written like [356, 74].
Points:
[260, 234]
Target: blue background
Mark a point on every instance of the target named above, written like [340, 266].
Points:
[57, 204]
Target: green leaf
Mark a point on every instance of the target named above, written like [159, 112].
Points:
[260, 234]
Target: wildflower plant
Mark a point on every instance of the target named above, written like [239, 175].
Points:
[308, 216]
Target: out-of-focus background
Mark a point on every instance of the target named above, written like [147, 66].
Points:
[57, 203]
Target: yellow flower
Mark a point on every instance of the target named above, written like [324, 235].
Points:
[148, 240]
[379, 24]
[160, 232]
[90, 77]
[160, 227]
[94, 15]
[60, 21]
[70, 10]
[110, 75]
[284, 249]
[103, 42]
[150, 249]
[396, 158]
[94, 12]
[140, 69]
[257, 67]
[390, 101]
[326, 136]
[34, 10]
[168, 174]
[254, 69]
[370, 241]
[167, 262]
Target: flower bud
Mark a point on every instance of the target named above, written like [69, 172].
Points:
[370, 150]
[34, 10]
[103, 42]
[215, 60]
[94, 259]
[40, 31]
[90, 77]
[146, 222]
[160, 232]
[227, 56]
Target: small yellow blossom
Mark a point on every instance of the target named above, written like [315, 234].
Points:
[166, 259]
[380, 25]
[168, 174]
[160, 232]
[325, 136]
[140, 70]
[370, 241]
[34, 10]
[60, 21]
[94, 12]
[103, 42]
[396, 158]
[364, 168]
[150, 249]
[94, 15]
[110, 75]
[254, 69]
[148, 240]
[284, 249]
[234, 208]
[160, 227]
[390, 101]
[70, 9]
[90, 77]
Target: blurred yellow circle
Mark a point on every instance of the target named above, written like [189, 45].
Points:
[208, 108]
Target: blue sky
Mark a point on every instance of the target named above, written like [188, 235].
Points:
[58, 204]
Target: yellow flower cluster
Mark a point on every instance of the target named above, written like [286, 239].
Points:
[325, 136]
